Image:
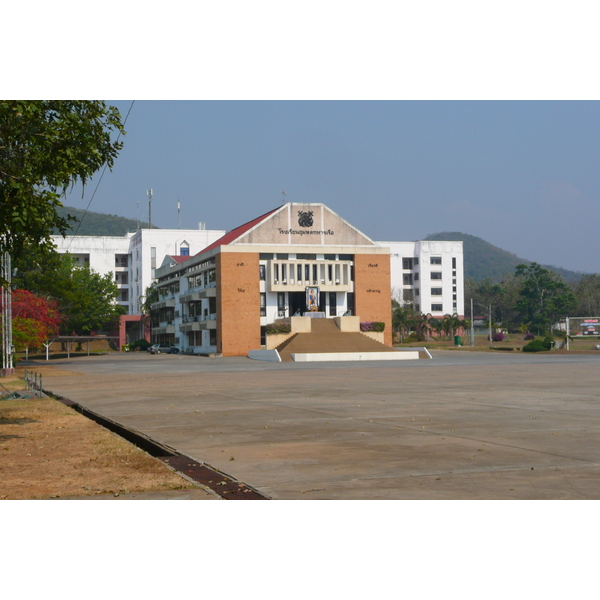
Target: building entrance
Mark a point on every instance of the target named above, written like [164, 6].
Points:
[297, 303]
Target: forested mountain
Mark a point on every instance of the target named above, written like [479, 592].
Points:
[100, 224]
[482, 260]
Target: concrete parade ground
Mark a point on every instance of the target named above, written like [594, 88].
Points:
[464, 425]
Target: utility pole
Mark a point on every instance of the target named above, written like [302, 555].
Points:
[490, 325]
[149, 194]
[472, 326]
[7, 346]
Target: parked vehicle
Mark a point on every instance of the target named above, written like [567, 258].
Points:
[157, 349]
[173, 350]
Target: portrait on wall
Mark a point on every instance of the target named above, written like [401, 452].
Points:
[312, 298]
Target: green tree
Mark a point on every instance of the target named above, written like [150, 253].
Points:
[45, 147]
[92, 303]
[404, 318]
[149, 299]
[544, 297]
[85, 298]
[587, 294]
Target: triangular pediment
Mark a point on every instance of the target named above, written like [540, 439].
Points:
[304, 224]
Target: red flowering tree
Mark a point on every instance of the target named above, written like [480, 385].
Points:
[35, 319]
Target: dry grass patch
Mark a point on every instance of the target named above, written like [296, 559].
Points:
[47, 450]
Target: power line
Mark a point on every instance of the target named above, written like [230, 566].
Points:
[98, 184]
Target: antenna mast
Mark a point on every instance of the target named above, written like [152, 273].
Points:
[179, 214]
[149, 194]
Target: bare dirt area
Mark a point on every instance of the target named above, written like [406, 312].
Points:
[47, 450]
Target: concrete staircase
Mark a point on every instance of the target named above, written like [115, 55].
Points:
[326, 337]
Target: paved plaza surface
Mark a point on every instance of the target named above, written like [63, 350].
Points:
[465, 425]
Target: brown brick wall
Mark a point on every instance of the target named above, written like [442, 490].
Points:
[238, 303]
[373, 290]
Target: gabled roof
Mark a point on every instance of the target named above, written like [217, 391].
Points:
[234, 234]
[179, 259]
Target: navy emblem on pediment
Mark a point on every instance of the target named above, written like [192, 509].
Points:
[305, 218]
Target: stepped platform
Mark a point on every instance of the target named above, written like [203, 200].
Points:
[325, 342]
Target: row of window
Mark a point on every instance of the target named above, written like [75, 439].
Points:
[412, 262]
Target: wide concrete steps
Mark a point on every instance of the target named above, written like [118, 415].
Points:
[326, 337]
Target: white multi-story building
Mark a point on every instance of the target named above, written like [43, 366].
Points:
[429, 275]
[133, 258]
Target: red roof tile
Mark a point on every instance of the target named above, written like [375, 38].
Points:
[234, 234]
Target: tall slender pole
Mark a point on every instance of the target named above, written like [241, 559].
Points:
[490, 325]
[472, 326]
[7, 346]
[149, 194]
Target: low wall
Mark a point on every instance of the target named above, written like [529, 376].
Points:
[357, 356]
[347, 323]
[301, 324]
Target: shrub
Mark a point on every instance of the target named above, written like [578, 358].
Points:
[274, 328]
[141, 344]
[534, 346]
[372, 326]
[498, 337]
[548, 342]
[529, 336]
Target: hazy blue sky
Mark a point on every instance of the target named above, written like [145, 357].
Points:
[522, 175]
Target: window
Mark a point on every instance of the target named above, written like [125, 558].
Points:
[436, 260]
[263, 272]
[407, 279]
[332, 304]
[436, 308]
[415, 261]
[436, 275]
[454, 288]
[416, 291]
[416, 277]
[453, 273]
[281, 304]
[407, 295]
[184, 251]
[436, 291]
[263, 304]
[454, 262]
[418, 307]
[407, 263]
[453, 296]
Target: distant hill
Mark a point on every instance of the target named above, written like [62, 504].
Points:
[483, 260]
[100, 224]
